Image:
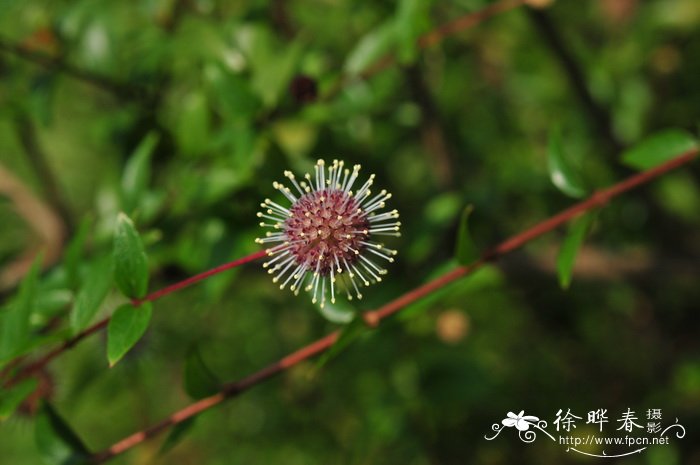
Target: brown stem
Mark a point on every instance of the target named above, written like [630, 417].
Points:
[46, 358]
[433, 131]
[38, 159]
[432, 38]
[124, 90]
[597, 114]
[465, 22]
[373, 318]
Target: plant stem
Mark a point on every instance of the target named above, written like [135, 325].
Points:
[373, 318]
[598, 116]
[430, 39]
[195, 279]
[49, 356]
[125, 90]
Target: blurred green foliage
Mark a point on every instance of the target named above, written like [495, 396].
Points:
[182, 113]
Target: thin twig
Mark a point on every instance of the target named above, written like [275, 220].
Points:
[433, 130]
[467, 21]
[122, 89]
[37, 157]
[49, 356]
[373, 318]
[430, 39]
[598, 116]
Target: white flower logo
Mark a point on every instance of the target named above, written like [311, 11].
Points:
[520, 421]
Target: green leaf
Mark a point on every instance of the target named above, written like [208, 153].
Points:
[466, 251]
[570, 247]
[127, 325]
[74, 252]
[130, 261]
[12, 397]
[337, 312]
[176, 434]
[370, 48]
[56, 441]
[193, 123]
[137, 172]
[659, 148]
[14, 320]
[562, 174]
[348, 334]
[200, 382]
[91, 295]
[230, 95]
[412, 20]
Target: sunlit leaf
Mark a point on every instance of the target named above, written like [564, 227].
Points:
[130, 261]
[127, 325]
[271, 78]
[337, 312]
[14, 319]
[412, 20]
[370, 48]
[137, 172]
[465, 251]
[91, 295]
[561, 172]
[570, 247]
[200, 381]
[74, 252]
[57, 443]
[659, 148]
[193, 123]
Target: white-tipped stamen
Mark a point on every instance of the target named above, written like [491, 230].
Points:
[384, 256]
[329, 228]
[332, 287]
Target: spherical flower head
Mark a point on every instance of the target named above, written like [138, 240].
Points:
[326, 236]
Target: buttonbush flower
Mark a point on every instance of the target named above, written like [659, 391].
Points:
[326, 237]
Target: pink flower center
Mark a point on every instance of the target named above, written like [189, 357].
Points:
[326, 223]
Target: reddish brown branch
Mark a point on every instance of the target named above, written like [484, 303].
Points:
[373, 318]
[195, 279]
[49, 356]
[432, 38]
[467, 21]
[121, 89]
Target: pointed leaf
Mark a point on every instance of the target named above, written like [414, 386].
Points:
[57, 442]
[192, 125]
[370, 48]
[14, 319]
[570, 247]
[137, 172]
[465, 251]
[200, 382]
[74, 252]
[348, 334]
[412, 20]
[89, 298]
[125, 328]
[562, 174]
[659, 148]
[12, 397]
[337, 313]
[130, 261]
[176, 434]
